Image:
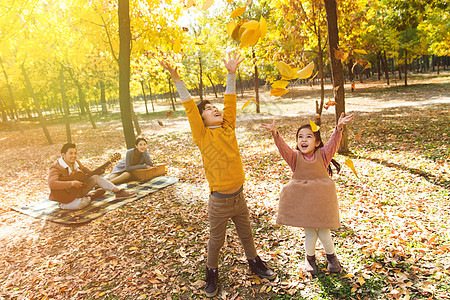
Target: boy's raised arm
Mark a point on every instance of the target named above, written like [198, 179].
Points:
[229, 111]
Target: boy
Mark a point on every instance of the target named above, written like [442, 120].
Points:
[67, 164]
[214, 134]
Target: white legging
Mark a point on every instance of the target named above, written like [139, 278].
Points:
[324, 235]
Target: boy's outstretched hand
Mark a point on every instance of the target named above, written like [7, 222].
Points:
[173, 71]
[270, 127]
[343, 120]
[232, 63]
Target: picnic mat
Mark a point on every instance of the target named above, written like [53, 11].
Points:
[49, 210]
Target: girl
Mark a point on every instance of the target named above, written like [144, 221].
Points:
[309, 200]
[136, 158]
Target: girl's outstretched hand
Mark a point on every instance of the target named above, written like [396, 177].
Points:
[343, 120]
[232, 63]
[270, 127]
[173, 71]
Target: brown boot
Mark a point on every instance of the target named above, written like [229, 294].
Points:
[310, 264]
[333, 263]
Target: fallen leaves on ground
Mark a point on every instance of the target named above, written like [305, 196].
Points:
[393, 242]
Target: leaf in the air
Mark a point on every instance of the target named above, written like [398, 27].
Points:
[236, 34]
[278, 92]
[207, 4]
[338, 54]
[306, 72]
[313, 125]
[358, 136]
[362, 51]
[230, 27]
[249, 38]
[190, 3]
[317, 72]
[238, 12]
[280, 84]
[177, 46]
[349, 163]
[263, 27]
[251, 25]
[285, 69]
[248, 102]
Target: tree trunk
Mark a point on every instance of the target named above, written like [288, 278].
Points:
[256, 83]
[336, 68]
[438, 64]
[240, 84]
[135, 119]
[124, 72]
[11, 95]
[145, 97]
[3, 109]
[84, 104]
[36, 103]
[65, 105]
[213, 85]
[171, 96]
[200, 79]
[151, 95]
[386, 68]
[103, 98]
[319, 108]
[379, 64]
[406, 67]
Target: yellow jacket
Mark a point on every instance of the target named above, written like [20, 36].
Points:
[219, 147]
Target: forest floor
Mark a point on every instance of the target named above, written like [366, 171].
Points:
[394, 242]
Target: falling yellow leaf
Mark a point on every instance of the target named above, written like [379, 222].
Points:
[360, 51]
[285, 69]
[338, 54]
[230, 27]
[358, 136]
[336, 87]
[313, 125]
[190, 3]
[246, 103]
[251, 25]
[236, 34]
[229, 1]
[263, 27]
[238, 12]
[207, 4]
[349, 163]
[254, 101]
[177, 46]
[306, 72]
[278, 92]
[314, 76]
[331, 102]
[249, 38]
[280, 84]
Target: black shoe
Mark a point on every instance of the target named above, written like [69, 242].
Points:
[212, 277]
[259, 268]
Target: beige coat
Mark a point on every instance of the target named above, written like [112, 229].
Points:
[309, 199]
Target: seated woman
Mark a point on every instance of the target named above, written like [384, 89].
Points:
[136, 158]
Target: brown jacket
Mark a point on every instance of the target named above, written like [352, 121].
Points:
[309, 199]
[55, 173]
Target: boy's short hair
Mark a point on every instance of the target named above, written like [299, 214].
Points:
[66, 147]
[201, 106]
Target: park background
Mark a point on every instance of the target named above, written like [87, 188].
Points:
[74, 70]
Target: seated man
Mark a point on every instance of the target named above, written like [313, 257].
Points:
[74, 194]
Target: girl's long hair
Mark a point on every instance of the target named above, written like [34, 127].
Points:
[318, 138]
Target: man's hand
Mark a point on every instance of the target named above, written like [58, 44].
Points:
[77, 184]
[343, 120]
[173, 71]
[232, 63]
[270, 127]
